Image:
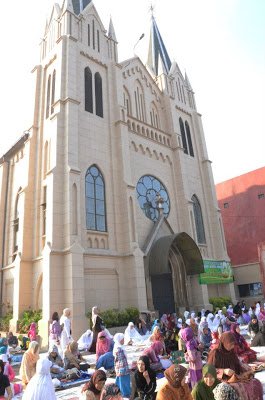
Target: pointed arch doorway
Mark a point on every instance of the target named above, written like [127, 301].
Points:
[172, 258]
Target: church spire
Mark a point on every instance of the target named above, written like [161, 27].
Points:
[158, 59]
[111, 31]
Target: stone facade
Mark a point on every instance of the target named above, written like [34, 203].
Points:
[50, 260]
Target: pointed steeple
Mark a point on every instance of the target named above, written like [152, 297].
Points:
[157, 54]
[111, 31]
[188, 82]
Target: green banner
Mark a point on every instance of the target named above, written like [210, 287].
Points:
[216, 272]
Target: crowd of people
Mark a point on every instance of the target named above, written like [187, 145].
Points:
[202, 355]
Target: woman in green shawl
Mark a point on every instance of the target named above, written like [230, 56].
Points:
[204, 388]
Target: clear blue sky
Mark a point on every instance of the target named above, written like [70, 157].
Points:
[220, 44]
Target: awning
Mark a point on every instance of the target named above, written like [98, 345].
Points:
[159, 254]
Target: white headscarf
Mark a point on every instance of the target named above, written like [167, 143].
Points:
[209, 320]
[85, 341]
[186, 314]
[216, 323]
[193, 314]
[117, 342]
[179, 324]
[94, 314]
[131, 334]
[40, 387]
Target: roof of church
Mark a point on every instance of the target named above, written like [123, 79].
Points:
[158, 59]
[80, 5]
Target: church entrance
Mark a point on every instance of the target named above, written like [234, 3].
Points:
[163, 293]
[172, 258]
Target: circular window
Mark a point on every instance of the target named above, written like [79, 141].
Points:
[152, 196]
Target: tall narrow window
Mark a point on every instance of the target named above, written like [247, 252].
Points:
[93, 34]
[43, 206]
[95, 200]
[98, 40]
[191, 152]
[183, 136]
[98, 93]
[127, 101]
[53, 91]
[48, 97]
[198, 220]
[139, 102]
[16, 225]
[88, 35]
[88, 90]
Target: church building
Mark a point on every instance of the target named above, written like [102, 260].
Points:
[108, 198]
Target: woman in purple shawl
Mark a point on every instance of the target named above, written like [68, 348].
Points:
[192, 356]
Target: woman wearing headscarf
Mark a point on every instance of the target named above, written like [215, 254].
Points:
[104, 344]
[152, 352]
[215, 340]
[92, 389]
[73, 359]
[85, 341]
[155, 323]
[57, 368]
[259, 339]
[131, 335]
[121, 365]
[144, 380]
[253, 326]
[205, 339]
[175, 387]
[242, 348]
[156, 335]
[223, 391]
[246, 317]
[66, 335]
[203, 390]
[28, 363]
[261, 316]
[40, 386]
[3, 345]
[192, 356]
[4, 384]
[230, 369]
[209, 320]
[55, 331]
[186, 314]
[97, 326]
[32, 333]
[203, 323]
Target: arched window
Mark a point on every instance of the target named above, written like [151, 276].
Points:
[154, 117]
[191, 152]
[198, 220]
[95, 200]
[139, 102]
[183, 136]
[98, 95]
[53, 91]
[48, 97]
[127, 101]
[88, 90]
